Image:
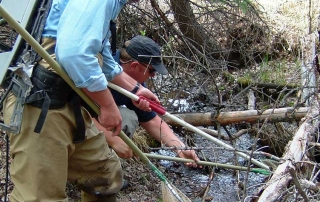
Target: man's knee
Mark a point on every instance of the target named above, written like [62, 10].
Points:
[104, 181]
[100, 189]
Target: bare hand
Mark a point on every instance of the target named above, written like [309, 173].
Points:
[148, 94]
[121, 148]
[144, 104]
[110, 119]
[189, 154]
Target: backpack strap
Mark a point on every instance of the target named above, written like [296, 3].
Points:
[37, 28]
[113, 29]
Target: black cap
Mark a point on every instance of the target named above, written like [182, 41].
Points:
[144, 49]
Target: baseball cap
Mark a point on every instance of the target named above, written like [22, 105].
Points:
[144, 49]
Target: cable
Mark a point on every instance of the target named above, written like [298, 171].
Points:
[7, 168]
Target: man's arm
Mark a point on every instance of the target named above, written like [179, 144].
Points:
[79, 40]
[115, 142]
[109, 117]
[168, 138]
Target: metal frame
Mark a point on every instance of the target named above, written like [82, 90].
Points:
[21, 10]
[22, 14]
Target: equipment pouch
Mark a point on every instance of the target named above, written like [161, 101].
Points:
[52, 84]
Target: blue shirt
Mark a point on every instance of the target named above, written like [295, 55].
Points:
[82, 30]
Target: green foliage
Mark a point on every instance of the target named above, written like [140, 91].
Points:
[153, 143]
[291, 104]
[297, 63]
[245, 80]
[244, 5]
[280, 73]
[265, 72]
[229, 77]
[142, 32]
[144, 178]
[167, 47]
[274, 72]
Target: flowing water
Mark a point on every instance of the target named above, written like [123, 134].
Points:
[226, 184]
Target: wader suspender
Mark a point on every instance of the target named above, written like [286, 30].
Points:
[113, 29]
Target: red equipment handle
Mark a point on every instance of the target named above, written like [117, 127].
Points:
[154, 105]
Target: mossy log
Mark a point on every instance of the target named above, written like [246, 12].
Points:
[246, 82]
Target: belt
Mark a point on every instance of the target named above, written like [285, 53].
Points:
[50, 91]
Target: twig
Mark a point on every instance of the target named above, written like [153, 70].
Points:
[232, 137]
[243, 91]
[208, 185]
[309, 185]
[315, 144]
[296, 182]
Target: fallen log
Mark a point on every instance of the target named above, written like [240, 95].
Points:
[278, 87]
[297, 148]
[250, 116]
[295, 153]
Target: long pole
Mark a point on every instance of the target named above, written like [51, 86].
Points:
[207, 163]
[189, 126]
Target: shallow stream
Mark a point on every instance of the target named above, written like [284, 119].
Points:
[226, 184]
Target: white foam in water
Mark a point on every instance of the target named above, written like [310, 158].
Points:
[181, 104]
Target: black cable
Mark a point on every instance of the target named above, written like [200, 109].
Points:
[7, 169]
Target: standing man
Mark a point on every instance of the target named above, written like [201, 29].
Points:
[58, 141]
[141, 59]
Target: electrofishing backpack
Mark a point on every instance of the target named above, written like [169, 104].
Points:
[31, 14]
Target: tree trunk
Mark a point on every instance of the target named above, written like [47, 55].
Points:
[192, 30]
[249, 116]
